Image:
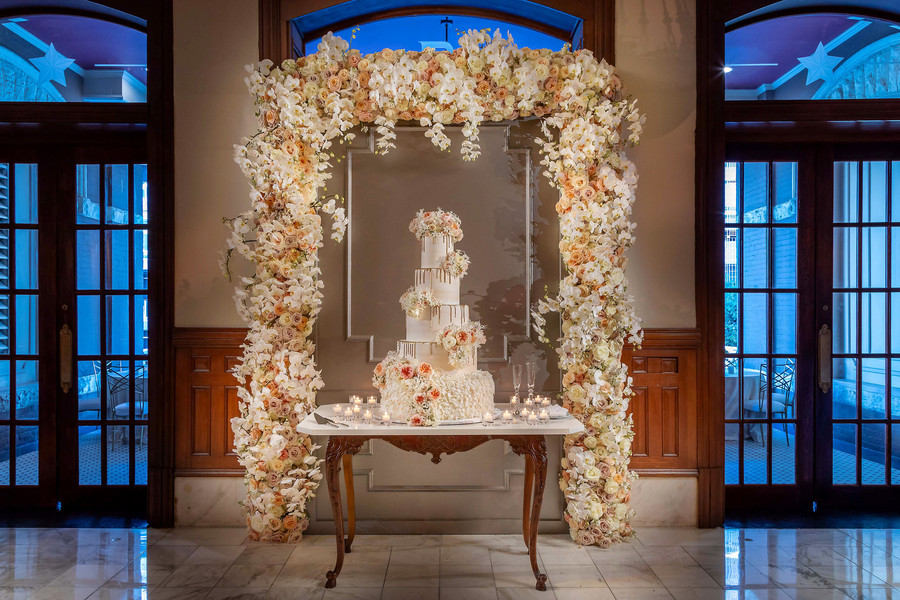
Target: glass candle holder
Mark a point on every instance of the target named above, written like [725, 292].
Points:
[545, 402]
[532, 419]
[348, 413]
[544, 416]
[367, 416]
[507, 417]
[386, 419]
[338, 409]
[371, 400]
[488, 419]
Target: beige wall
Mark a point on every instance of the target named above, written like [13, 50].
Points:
[655, 53]
[213, 42]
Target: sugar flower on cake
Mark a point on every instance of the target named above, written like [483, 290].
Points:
[457, 263]
[435, 223]
[417, 301]
[461, 341]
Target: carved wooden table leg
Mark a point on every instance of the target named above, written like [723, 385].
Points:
[526, 501]
[338, 446]
[347, 462]
[538, 454]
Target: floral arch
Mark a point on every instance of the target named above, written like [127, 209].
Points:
[304, 106]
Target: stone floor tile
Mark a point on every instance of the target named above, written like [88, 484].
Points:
[394, 593]
[272, 554]
[249, 576]
[412, 576]
[629, 576]
[465, 555]
[575, 576]
[511, 593]
[346, 593]
[583, 594]
[650, 593]
[187, 576]
[214, 555]
[488, 593]
[63, 593]
[466, 576]
[412, 555]
[118, 592]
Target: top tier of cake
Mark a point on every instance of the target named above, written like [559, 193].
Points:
[434, 250]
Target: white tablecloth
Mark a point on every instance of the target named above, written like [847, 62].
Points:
[750, 403]
[563, 426]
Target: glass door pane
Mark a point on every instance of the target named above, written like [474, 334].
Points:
[865, 394]
[111, 266]
[761, 311]
[20, 398]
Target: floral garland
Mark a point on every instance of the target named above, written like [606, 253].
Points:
[456, 263]
[461, 342]
[415, 301]
[417, 377]
[435, 223]
[303, 106]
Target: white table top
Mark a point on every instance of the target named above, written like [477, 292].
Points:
[564, 426]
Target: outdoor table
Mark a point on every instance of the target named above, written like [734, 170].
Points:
[527, 440]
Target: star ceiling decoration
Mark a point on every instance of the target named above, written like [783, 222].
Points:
[52, 67]
[819, 65]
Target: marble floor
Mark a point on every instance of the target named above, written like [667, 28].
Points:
[680, 563]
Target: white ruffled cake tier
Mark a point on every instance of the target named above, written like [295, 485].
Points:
[463, 396]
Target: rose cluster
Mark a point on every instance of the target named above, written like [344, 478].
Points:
[456, 263]
[461, 342]
[415, 301]
[435, 223]
[417, 377]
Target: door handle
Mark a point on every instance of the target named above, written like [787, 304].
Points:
[65, 358]
[824, 357]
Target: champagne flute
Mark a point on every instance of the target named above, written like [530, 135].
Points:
[517, 377]
[531, 372]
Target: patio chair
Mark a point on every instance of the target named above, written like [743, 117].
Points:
[781, 388]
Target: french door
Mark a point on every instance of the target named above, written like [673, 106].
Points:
[812, 326]
[74, 261]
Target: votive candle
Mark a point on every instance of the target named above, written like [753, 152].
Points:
[513, 400]
[371, 400]
[545, 416]
[337, 409]
[532, 419]
[348, 413]
[368, 415]
[386, 419]
[507, 416]
[356, 411]
[545, 401]
[488, 419]
[357, 400]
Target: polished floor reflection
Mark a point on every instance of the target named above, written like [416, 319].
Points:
[681, 563]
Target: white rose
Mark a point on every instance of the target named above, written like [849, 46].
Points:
[576, 393]
[597, 509]
[597, 420]
[621, 511]
[592, 474]
[611, 486]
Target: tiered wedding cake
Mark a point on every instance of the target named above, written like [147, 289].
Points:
[433, 375]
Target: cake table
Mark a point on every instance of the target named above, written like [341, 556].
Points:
[524, 439]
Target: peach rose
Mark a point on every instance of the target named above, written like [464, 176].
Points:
[434, 393]
[462, 336]
[290, 522]
[407, 372]
[419, 398]
[417, 420]
[425, 369]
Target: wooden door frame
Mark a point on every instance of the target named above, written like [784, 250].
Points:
[156, 117]
[718, 120]
[598, 17]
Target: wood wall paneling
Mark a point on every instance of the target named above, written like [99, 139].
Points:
[206, 400]
[664, 407]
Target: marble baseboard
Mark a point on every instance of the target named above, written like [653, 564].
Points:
[213, 502]
[209, 501]
[665, 502]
